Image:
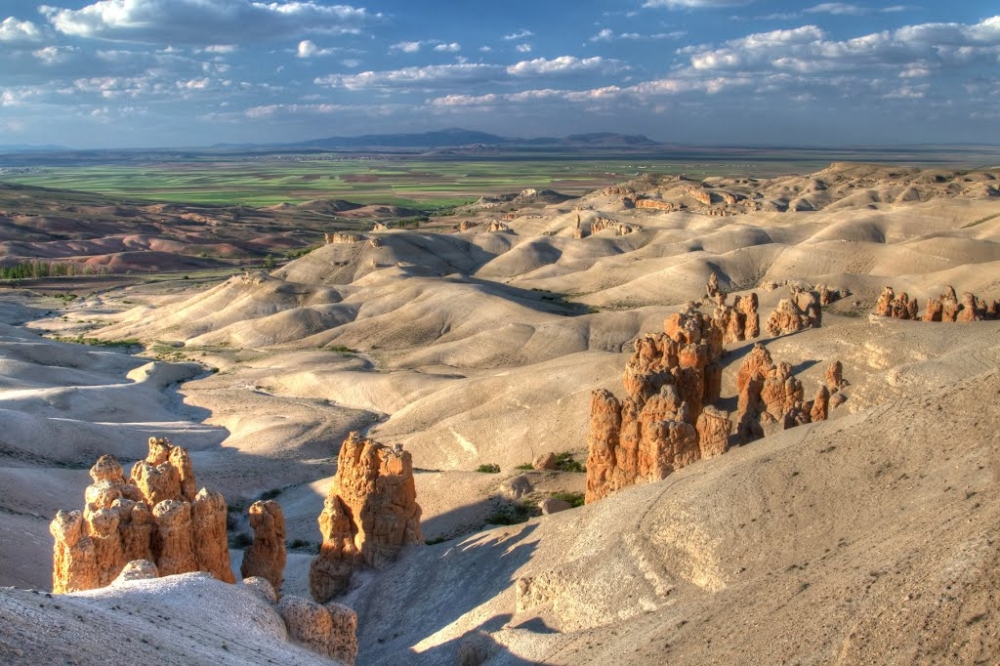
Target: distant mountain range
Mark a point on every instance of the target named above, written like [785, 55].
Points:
[462, 138]
[26, 148]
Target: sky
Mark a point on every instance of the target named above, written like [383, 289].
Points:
[173, 73]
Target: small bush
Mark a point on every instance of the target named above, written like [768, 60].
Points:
[574, 499]
[489, 469]
[270, 494]
[341, 349]
[510, 514]
[436, 540]
[525, 466]
[565, 463]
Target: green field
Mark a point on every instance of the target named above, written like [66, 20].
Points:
[403, 182]
[417, 181]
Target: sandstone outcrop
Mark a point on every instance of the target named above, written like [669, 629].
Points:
[801, 311]
[154, 515]
[544, 461]
[498, 226]
[266, 556]
[327, 629]
[771, 398]
[654, 430]
[370, 513]
[655, 204]
[739, 321]
[946, 308]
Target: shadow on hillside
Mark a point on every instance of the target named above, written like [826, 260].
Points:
[474, 570]
[476, 646]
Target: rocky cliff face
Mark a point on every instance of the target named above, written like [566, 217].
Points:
[154, 515]
[662, 424]
[370, 513]
[771, 398]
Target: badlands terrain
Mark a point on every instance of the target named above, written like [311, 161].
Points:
[867, 538]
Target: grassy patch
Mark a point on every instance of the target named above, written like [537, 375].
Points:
[340, 349]
[566, 463]
[525, 466]
[489, 468]
[573, 499]
[512, 514]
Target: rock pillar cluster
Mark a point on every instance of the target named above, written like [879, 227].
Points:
[947, 307]
[662, 424]
[803, 310]
[370, 513]
[153, 515]
[771, 398]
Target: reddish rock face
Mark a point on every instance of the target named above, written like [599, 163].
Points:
[947, 307]
[266, 556]
[370, 513]
[652, 432]
[771, 398]
[794, 314]
[154, 515]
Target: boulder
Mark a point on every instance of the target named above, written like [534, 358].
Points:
[544, 461]
[329, 630]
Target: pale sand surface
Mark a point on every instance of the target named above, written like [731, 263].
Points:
[835, 541]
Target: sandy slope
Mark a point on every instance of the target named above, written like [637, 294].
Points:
[479, 347]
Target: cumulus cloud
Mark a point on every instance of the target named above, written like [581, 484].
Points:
[523, 48]
[308, 49]
[465, 73]
[199, 22]
[453, 47]
[809, 50]
[562, 65]
[13, 30]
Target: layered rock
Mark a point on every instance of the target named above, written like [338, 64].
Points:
[266, 556]
[739, 321]
[771, 398]
[801, 311]
[370, 513]
[154, 515]
[656, 428]
[897, 307]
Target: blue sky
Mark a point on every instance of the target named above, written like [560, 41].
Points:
[158, 73]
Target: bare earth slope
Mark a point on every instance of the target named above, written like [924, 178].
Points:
[831, 542]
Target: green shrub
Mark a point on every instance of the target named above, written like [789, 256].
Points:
[525, 466]
[565, 463]
[489, 469]
[574, 499]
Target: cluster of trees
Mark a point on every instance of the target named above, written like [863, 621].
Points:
[43, 269]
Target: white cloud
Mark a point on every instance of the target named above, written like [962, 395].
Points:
[850, 9]
[523, 48]
[221, 48]
[562, 65]
[808, 49]
[407, 47]
[202, 21]
[308, 49]
[13, 30]
[54, 55]
[520, 34]
[605, 35]
[415, 77]
[453, 47]
[694, 4]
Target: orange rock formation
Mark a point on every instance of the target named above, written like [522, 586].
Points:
[771, 398]
[266, 556]
[947, 307]
[155, 515]
[370, 513]
[658, 428]
[801, 311]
